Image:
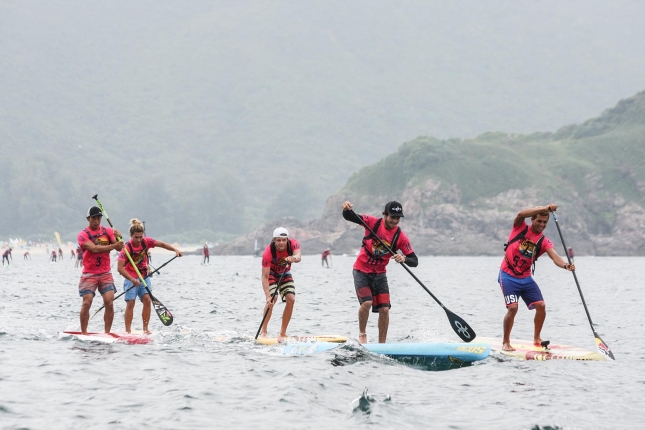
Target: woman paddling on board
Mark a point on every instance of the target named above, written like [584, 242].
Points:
[370, 279]
[97, 242]
[525, 245]
[276, 260]
[138, 247]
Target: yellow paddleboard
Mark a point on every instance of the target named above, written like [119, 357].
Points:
[526, 350]
[296, 339]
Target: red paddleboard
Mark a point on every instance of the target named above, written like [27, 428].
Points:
[526, 350]
[121, 337]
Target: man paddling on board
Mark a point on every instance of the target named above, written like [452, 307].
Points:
[97, 242]
[370, 279]
[6, 255]
[138, 247]
[326, 254]
[276, 260]
[525, 245]
[206, 253]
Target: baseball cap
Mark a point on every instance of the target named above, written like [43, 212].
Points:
[394, 208]
[280, 232]
[94, 211]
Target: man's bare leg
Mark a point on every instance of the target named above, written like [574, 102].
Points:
[108, 302]
[383, 323]
[263, 331]
[286, 315]
[540, 316]
[85, 312]
[363, 316]
[509, 319]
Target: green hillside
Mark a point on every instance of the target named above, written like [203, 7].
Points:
[606, 153]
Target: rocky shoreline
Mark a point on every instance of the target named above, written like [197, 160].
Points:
[438, 224]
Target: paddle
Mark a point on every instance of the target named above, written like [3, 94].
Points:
[162, 312]
[277, 288]
[150, 274]
[457, 323]
[600, 344]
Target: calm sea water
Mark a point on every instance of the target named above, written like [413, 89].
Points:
[189, 380]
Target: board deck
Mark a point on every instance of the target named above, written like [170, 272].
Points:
[526, 350]
[122, 337]
[332, 338]
[408, 351]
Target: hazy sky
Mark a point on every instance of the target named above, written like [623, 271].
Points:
[341, 83]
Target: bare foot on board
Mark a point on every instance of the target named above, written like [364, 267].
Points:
[537, 341]
[507, 347]
[362, 337]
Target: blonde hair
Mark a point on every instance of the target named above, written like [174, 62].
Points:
[135, 226]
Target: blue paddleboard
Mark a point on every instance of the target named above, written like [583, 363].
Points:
[408, 352]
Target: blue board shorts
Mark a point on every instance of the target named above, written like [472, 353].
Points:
[131, 293]
[513, 288]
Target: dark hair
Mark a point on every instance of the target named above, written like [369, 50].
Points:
[547, 214]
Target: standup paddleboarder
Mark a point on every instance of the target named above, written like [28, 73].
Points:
[97, 242]
[276, 260]
[6, 255]
[525, 245]
[206, 253]
[138, 247]
[370, 279]
[326, 253]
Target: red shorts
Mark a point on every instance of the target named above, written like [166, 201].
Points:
[90, 282]
[372, 287]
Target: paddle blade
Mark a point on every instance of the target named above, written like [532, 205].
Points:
[162, 312]
[603, 348]
[461, 327]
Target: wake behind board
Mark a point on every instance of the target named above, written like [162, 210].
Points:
[526, 350]
[412, 353]
[132, 339]
[332, 338]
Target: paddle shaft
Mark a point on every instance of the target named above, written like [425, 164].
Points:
[584, 304]
[149, 274]
[277, 288]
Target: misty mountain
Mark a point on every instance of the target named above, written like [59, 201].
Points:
[207, 118]
[460, 196]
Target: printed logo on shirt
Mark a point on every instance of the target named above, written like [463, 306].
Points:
[378, 249]
[527, 248]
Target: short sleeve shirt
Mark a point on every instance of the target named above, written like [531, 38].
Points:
[519, 254]
[138, 255]
[95, 263]
[364, 262]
